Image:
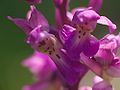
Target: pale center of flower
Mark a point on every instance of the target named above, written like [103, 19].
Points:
[82, 32]
[50, 46]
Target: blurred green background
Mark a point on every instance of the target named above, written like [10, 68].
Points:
[13, 49]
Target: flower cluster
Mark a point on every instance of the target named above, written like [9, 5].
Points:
[63, 54]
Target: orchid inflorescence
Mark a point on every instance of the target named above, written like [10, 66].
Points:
[65, 52]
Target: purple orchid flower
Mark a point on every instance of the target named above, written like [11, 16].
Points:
[33, 2]
[106, 63]
[34, 19]
[106, 55]
[77, 38]
[40, 38]
[70, 46]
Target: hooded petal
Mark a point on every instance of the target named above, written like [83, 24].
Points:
[35, 18]
[95, 4]
[105, 21]
[88, 18]
[81, 17]
[22, 23]
[91, 46]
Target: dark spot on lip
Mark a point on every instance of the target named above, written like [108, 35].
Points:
[93, 58]
[42, 43]
[79, 36]
[79, 31]
[50, 52]
[58, 56]
[53, 49]
[84, 33]
[46, 38]
[48, 48]
[82, 27]
[39, 45]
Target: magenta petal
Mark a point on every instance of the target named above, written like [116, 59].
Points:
[95, 4]
[105, 21]
[103, 85]
[91, 46]
[111, 42]
[23, 24]
[97, 79]
[35, 18]
[104, 56]
[66, 33]
[89, 62]
[114, 69]
[36, 64]
[69, 16]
